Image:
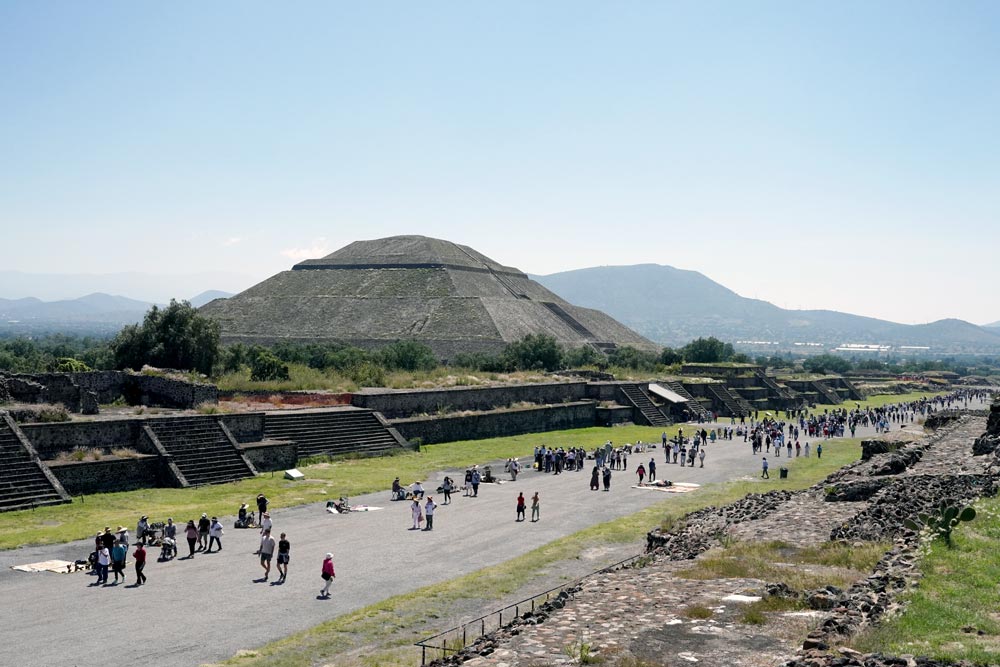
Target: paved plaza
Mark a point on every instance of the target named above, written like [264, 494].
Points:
[208, 608]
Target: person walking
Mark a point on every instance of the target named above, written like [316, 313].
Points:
[476, 479]
[446, 488]
[118, 554]
[534, 507]
[701, 457]
[328, 574]
[203, 526]
[191, 533]
[140, 563]
[429, 508]
[262, 502]
[416, 513]
[641, 472]
[595, 483]
[103, 562]
[520, 507]
[284, 552]
[805, 450]
[652, 469]
[267, 546]
[763, 469]
[214, 534]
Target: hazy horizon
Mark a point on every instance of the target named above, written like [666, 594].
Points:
[839, 157]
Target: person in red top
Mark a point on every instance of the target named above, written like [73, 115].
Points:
[520, 507]
[328, 575]
[140, 563]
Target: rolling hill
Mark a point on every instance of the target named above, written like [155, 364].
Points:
[673, 306]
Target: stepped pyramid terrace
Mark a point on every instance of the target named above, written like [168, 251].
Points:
[445, 295]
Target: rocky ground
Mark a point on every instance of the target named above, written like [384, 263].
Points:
[654, 614]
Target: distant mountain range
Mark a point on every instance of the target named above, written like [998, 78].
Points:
[96, 313]
[673, 306]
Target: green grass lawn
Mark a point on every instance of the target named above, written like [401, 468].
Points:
[382, 634]
[958, 590]
[349, 477]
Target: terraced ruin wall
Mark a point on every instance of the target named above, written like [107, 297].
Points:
[431, 430]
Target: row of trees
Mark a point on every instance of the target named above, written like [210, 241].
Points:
[176, 336]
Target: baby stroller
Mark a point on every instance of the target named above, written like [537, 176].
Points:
[168, 548]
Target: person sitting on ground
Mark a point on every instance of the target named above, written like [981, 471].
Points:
[397, 490]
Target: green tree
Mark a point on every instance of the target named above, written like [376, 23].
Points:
[266, 367]
[669, 356]
[826, 363]
[585, 355]
[707, 351]
[630, 357]
[534, 352]
[172, 337]
[407, 355]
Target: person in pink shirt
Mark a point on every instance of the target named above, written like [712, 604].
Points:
[328, 575]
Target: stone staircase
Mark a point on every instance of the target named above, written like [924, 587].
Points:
[23, 482]
[855, 393]
[201, 450]
[826, 393]
[693, 405]
[332, 432]
[783, 393]
[736, 407]
[639, 400]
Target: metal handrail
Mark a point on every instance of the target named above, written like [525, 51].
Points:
[480, 622]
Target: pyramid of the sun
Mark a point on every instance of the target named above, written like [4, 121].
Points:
[445, 295]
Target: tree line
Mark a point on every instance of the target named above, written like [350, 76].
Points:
[178, 337]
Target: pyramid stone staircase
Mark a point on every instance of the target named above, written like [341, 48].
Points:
[826, 393]
[202, 449]
[736, 407]
[783, 393]
[25, 482]
[855, 393]
[639, 400]
[333, 432]
[693, 405]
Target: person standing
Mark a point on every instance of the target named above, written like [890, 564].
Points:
[103, 561]
[262, 502]
[142, 528]
[214, 534]
[515, 468]
[652, 469]
[203, 526]
[607, 479]
[416, 513]
[701, 457]
[819, 450]
[641, 472]
[520, 507]
[594, 479]
[429, 508]
[534, 507]
[446, 488]
[763, 469]
[140, 563]
[476, 480]
[170, 530]
[806, 450]
[118, 554]
[267, 546]
[284, 553]
[328, 575]
[191, 533]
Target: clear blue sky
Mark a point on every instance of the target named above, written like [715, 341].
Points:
[839, 155]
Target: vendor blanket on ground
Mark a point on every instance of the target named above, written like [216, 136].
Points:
[60, 566]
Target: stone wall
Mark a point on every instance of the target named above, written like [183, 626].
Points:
[405, 402]
[246, 427]
[612, 416]
[107, 475]
[51, 439]
[498, 423]
[167, 392]
[271, 455]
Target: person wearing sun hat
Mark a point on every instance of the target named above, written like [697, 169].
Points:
[328, 575]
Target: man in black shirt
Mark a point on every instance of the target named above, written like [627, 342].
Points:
[284, 549]
[203, 527]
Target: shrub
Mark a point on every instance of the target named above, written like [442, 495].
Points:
[367, 374]
[70, 365]
[407, 355]
[172, 337]
[534, 352]
[265, 367]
